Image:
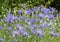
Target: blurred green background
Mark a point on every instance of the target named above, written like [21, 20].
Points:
[10, 4]
[14, 3]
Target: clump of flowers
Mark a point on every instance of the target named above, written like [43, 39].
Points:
[35, 21]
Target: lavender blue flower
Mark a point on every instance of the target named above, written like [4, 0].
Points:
[46, 11]
[42, 10]
[21, 17]
[51, 33]
[41, 15]
[20, 31]
[34, 10]
[19, 11]
[33, 31]
[15, 18]
[34, 20]
[20, 27]
[27, 19]
[51, 16]
[3, 19]
[15, 41]
[41, 5]
[15, 33]
[17, 25]
[42, 25]
[56, 34]
[30, 23]
[29, 11]
[34, 26]
[35, 7]
[9, 28]
[9, 17]
[39, 32]
[47, 25]
[1, 27]
[57, 14]
[11, 21]
[26, 34]
[1, 39]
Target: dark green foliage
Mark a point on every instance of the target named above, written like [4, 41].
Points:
[14, 3]
[56, 4]
[10, 4]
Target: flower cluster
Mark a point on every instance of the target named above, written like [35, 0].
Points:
[36, 21]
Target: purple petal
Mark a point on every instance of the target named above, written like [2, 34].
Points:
[19, 11]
